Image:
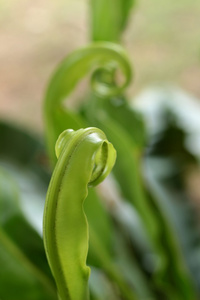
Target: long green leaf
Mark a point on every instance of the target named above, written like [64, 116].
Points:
[24, 272]
[109, 18]
[19, 278]
[85, 158]
[127, 172]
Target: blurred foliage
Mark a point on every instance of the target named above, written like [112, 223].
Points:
[113, 12]
[145, 232]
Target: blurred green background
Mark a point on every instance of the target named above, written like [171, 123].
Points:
[162, 40]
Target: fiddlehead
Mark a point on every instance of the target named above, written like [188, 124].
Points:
[103, 60]
[85, 157]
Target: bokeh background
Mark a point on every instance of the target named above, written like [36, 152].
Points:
[162, 40]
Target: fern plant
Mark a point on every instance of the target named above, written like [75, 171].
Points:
[125, 239]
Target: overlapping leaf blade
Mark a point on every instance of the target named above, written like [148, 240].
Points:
[24, 273]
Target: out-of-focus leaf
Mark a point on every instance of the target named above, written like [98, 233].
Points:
[100, 222]
[19, 279]
[127, 172]
[165, 107]
[165, 182]
[111, 269]
[101, 245]
[126, 6]
[126, 217]
[118, 109]
[172, 119]
[20, 148]
[32, 191]
[133, 252]
[109, 18]
[100, 287]
[131, 269]
[17, 227]
[24, 273]
[23, 184]
[23, 156]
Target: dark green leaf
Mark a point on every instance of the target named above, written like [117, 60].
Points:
[24, 273]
